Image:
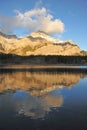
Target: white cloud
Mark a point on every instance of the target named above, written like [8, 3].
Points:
[32, 20]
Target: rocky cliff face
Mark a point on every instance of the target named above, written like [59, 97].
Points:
[38, 43]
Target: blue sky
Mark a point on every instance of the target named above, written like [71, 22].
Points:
[68, 17]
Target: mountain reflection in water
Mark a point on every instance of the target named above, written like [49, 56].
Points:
[34, 94]
[38, 84]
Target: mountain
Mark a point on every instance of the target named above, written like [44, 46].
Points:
[38, 43]
[8, 36]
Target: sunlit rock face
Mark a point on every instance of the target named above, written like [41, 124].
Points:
[38, 43]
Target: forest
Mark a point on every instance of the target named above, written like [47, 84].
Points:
[41, 59]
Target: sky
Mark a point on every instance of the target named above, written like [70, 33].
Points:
[62, 19]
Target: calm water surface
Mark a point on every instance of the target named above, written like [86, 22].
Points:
[43, 100]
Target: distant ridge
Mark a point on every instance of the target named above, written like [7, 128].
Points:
[38, 43]
[8, 36]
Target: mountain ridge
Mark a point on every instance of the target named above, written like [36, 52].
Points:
[37, 43]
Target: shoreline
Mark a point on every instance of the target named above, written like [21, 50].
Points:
[23, 66]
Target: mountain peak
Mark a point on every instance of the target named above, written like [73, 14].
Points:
[42, 34]
[7, 36]
[39, 34]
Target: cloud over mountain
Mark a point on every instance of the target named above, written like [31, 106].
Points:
[30, 21]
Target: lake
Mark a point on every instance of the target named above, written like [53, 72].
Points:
[45, 99]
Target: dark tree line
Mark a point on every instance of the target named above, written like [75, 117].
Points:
[10, 58]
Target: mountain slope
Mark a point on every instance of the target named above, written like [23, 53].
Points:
[38, 43]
